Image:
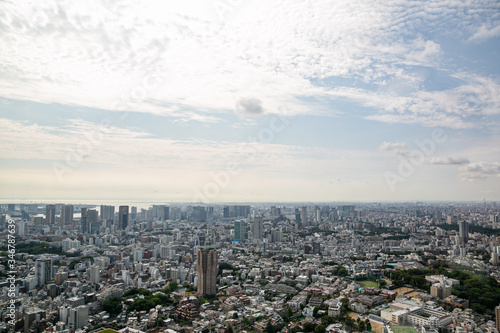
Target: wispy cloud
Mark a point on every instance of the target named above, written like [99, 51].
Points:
[484, 32]
[449, 160]
[120, 56]
[392, 146]
[478, 171]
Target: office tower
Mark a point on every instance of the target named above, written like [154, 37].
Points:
[298, 220]
[122, 217]
[3, 222]
[84, 221]
[207, 267]
[50, 214]
[107, 212]
[303, 215]
[258, 227]
[95, 273]
[66, 214]
[199, 214]
[133, 212]
[239, 231]
[78, 317]
[43, 271]
[11, 207]
[463, 232]
[93, 215]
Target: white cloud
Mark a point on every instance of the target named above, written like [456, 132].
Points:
[478, 171]
[485, 33]
[392, 146]
[197, 58]
[449, 160]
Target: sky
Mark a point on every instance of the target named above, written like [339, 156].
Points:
[250, 101]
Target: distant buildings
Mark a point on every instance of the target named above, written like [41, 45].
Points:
[258, 227]
[207, 267]
[122, 217]
[239, 231]
[66, 214]
[50, 214]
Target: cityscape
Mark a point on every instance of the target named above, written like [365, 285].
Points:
[280, 267]
[263, 166]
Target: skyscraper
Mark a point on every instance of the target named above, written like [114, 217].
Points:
[107, 212]
[50, 214]
[239, 231]
[258, 227]
[66, 214]
[303, 215]
[207, 266]
[84, 221]
[43, 271]
[463, 232]
[122, 217]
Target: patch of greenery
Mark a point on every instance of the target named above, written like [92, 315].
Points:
[35, 248]
[150, 301]
[112, 305]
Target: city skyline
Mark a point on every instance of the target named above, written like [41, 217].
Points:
[234, 101]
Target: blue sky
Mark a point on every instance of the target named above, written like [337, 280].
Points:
[232, 100]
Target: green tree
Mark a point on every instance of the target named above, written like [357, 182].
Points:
[269, 327]
[361, 326]
[320, 329]
[173, 286]
[112, 305]
[327, 320]
[309, 327]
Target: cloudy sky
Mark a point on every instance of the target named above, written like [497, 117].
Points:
[236, 100]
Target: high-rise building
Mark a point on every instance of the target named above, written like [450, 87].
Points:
[239, 231]
[78, 317]
[43, 271]
[3, 222]
[84, 221]
[107, 212]
[258, 227]
[463, 232]
[122, 217]
[95, 273]
[50, 214]
[303, 215]
[66, 214]
[199, 214]
[133, 212]
[207, 267]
